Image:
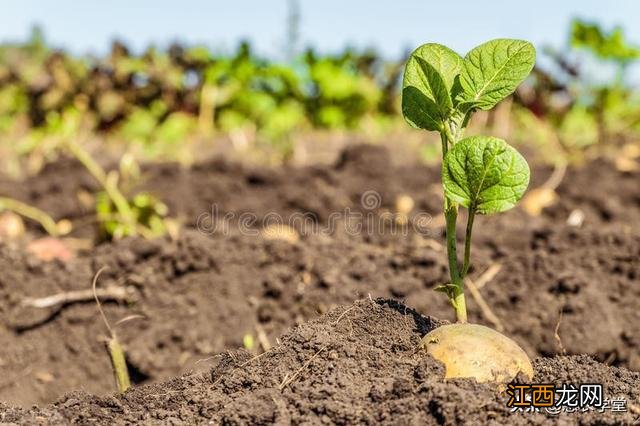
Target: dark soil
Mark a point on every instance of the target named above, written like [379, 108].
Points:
[202, 293]
[354, 365]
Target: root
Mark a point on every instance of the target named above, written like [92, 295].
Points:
[79, 296]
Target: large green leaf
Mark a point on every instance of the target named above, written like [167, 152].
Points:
[606, 45]
[443, 60]
[426, 89]
[484, 174]
[493, 70]
[432, 84]
[419, 110]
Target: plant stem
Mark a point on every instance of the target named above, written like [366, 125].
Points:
[116, 352]
[447, 136]
[32, 213]
[119, 200]
[451, 217]
[467, 241]
[456, 296]
[460, 306]
[119, 364]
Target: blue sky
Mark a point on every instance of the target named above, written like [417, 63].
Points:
[87, 26]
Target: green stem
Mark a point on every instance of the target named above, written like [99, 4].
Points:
[467, 241]
[447, 137]
[116, 352]
[456, 295]
[451, 217]
[460, 306]
[121, 203]
[32, 213]
[119, 364]
[445, 144]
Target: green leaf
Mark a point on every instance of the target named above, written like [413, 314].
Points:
[433, 85]
[420, 111]
[493, 70]
[484, 174]
[426, 87]
[606, 45]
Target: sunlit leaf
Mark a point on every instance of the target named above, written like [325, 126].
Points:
[426, 88]
[493, 70]
[485, 174]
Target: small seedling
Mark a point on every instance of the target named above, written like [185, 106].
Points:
[118, 216]
[441, 91]
[248, 342]
[116, 352]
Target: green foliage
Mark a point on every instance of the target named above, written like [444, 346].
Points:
[162, 98]
[440, 92]
[609, 46]
[426, 88]
[117, 214]
[148, 215]
[493, 70]
[578, 128]
[586, 105]
[339, 95]
[484, 174]
[440, 86]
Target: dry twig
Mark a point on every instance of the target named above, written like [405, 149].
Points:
[262, 338]
[487, 313]
[488, 275]
[78, 296]
[474, 289]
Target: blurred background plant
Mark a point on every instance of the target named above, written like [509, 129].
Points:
[159, 102]
[183, 102]
[583, 106]
[166, 104]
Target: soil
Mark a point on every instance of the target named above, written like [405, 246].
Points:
[560, 288]
[354, 365]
